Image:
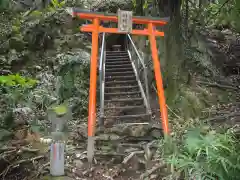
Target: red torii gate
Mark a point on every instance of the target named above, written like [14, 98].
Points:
[96, 28]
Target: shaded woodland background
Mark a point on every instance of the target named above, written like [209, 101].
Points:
[44, 61]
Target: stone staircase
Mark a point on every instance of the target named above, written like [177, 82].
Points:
[123, 99]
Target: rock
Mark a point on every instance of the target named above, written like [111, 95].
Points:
[106, 137]
[78, 163]
[12, 56]
[153, 176]
[5, 72]
[22, 116]
[38, 68]
[227, 32]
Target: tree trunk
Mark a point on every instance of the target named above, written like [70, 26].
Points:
[173, 55]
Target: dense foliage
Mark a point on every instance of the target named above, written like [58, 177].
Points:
[41, 65]
[203, 155]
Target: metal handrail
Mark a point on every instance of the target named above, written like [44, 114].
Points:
[135, 49]
[102, 79]
[145, 95]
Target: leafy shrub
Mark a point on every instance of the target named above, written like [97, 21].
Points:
[14, 87]
[16, 80]
[72, 84]
[13, 90]
[203, 156]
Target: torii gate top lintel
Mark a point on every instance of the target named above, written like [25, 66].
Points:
[84, 14]
[112, 17]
